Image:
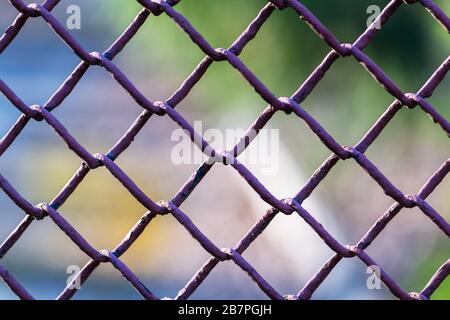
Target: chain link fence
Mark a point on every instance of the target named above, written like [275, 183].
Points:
[289, 105]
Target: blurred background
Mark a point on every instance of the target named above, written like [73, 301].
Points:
[346, 102]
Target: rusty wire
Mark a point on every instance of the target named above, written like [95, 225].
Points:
[290, 105]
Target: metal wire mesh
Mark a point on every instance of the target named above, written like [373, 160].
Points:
[290, 105]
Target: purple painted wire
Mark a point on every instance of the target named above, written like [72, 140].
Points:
[167, 107]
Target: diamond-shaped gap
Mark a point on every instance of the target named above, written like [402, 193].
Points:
[405, 50]
[350, 202]
[224, 222]
[418, 239]
[32, 70]
[157, 70]
[287, 253]
[409, 150]
[38, 163]
[277, 155]
[289, 56]
[98, 111]
[165, 256]
[152, 160]
[102, 210]
[347, 101]
[32, 259]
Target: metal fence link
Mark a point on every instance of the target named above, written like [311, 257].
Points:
[290, 105]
